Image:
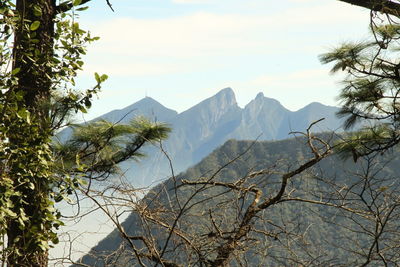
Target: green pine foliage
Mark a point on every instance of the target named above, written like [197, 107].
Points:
[370, 95]
[99, 146]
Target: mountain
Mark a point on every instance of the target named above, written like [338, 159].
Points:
[147, 107]
[291, 233]
[202, 128]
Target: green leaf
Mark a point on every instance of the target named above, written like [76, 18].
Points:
[20, 95]
[82, 109]
[82, 8]
[31, 186]
[58, 198]
[10, 213]
[35, 25]
[104, 77]
[97, 77]
[77, 2]
[21, 223]
[37, 11]
[24, 114]
[15, 71]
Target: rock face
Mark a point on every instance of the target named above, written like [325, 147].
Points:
[199, 130]
[204, 126]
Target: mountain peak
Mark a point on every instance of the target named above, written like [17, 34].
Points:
[226, 90]
[260, 95]
[147, 107]
[222, 100]
[260, 100]
[226, 94]
[316, 106]
[147, 100]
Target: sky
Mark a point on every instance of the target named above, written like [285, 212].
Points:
[181, 52]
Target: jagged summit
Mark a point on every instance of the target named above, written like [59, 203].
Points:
[225, 98]
[227, 93]
[226, 90]
[260, 95]
[220, 102]
[261, 102]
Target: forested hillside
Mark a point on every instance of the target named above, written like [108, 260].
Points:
[335, 214]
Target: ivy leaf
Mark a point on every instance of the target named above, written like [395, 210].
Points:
[35, 25]
[97, 77]
[104, 77]
[37, 11]
[24, 114]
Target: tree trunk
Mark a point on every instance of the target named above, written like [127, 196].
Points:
[34, 76]
[33, 51]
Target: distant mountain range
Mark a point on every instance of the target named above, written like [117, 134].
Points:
[199, 130]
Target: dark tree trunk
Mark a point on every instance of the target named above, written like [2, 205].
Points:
[34, 81]
[34, 76]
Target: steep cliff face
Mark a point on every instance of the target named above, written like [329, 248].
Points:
[199, 130]
[262, 118]
[203, 126]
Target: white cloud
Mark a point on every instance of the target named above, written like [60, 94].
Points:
[131, 68]
[184, 42]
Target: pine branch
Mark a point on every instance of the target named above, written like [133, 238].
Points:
[384, 6]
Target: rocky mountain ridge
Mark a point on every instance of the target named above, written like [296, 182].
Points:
[199, 130]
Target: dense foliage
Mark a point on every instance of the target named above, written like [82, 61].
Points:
[371, 88]
[41, 49]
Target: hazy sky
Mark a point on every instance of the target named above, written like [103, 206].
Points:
[180, 52]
